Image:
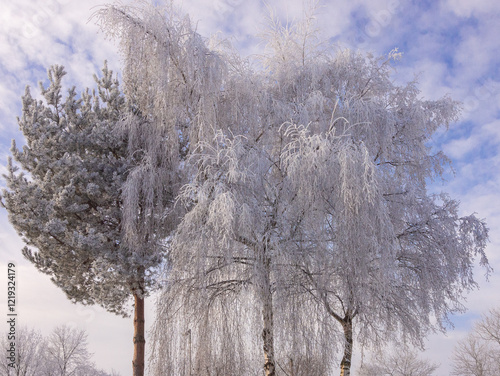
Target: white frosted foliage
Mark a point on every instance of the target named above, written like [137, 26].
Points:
[316, 212]
[308, 223]
[64, 192]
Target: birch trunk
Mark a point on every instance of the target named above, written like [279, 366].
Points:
[267, 318]
[139, 339]
[345, 365]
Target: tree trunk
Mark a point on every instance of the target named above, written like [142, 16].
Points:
[345, 365]
[267, 317]
[139, 339]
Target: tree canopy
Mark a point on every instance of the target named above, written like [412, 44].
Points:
[312, 194]
[66, 200]
[478, 353]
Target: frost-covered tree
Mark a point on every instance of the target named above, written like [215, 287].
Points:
[29, 353]
[66, 352]
[401, 362]
[180, 86]
[62, 353]
[69, 202]
[174, 81]
[382, 255]
[66, 200]
[218, 262]
[308, 214]
[232, 258]
[478, 353]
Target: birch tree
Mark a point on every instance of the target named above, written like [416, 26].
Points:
[383, 255]
[231, 261]
[218, 260]
[180, 86]
[323, 201]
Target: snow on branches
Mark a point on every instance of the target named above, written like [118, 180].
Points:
[305, 191]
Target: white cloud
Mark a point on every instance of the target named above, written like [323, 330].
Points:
[457, 149]
[474, 55]
[7, 104]
[467, 8]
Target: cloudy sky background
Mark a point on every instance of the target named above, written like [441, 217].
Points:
[451, 46]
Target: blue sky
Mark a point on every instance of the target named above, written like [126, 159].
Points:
[452, 46]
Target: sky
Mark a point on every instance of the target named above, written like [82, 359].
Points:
[451, 46]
